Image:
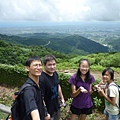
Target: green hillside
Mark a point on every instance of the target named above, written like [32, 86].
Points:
[114, 43]
[84, 44]
[13, 56]
[63, 43]
[16, 54]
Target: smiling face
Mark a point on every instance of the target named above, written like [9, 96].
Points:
[107, 77]
[84, 67]
[35, 68]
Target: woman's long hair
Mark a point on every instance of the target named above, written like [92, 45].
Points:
[87, 75]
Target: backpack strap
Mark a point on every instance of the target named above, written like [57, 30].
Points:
[27, 85]
[18, 93]
[23, 87]
[113, 85]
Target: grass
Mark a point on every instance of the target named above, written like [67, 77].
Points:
[3, 116]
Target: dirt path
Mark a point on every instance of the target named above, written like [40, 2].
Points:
[96, 74]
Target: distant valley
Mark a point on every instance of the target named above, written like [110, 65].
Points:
[64, 43]
[81, 38]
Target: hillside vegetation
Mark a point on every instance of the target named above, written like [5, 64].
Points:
[15, 54]
[114, 43]
[66, 44]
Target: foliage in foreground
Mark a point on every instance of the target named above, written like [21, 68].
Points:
[98, 61]
[12, 76]
[3, 116]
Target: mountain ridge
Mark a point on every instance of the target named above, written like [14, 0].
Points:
[64, 43]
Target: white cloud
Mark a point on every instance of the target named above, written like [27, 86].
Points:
[59, 10]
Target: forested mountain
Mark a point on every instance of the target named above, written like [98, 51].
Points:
[14, 54]
[17, 54]
[65, 43]
[114, 43]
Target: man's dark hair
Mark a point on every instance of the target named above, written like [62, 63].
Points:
[48, 58]
[31, 59]
[111, 72]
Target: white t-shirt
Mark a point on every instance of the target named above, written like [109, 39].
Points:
[112, 91]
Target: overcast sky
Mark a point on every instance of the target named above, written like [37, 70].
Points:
[59, 10]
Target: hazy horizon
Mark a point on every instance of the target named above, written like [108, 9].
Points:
[35, 24]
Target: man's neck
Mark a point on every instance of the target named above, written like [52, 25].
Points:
[50, 74]
[35, 79]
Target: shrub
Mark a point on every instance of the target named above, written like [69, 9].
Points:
[12, 75]
[66, 88]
